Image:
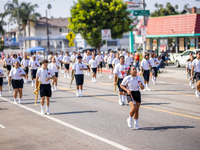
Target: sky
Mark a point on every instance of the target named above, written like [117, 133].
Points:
[61, 8]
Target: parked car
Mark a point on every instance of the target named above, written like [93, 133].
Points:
[181, 60]
[90, 49]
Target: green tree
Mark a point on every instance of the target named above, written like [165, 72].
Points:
[49, 7]
[165, 11]
[88, 17]
[2, 23]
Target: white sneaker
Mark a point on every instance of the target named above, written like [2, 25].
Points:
[19, 101]
[32, 84]
[197, 93]
[52, 89]
[81, 95]
[155, 83]
[48, 113]
[88, 74]
[129, 123]
[0, 94]
[110, 77]
[95, 81]
[120, 102]
[125, 102]
[68, 76]
[64, 75]
[42, 112]
[77, 94]
[192, 86]
[98, 75]
[136, 127]
[92, 79]
[190, 83]
[55, 89]
[7, 78]
[15, 102]
[153, 80]
[149, 89]
[26, 81]
[144, 90]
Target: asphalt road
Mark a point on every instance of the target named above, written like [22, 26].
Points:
[169, 118]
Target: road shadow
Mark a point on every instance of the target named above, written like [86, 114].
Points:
[163, 128]
[34, 102]
[98, 95]
[3, 108]
[155, 103]
[74, 112]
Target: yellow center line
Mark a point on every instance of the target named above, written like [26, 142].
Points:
[170, 112]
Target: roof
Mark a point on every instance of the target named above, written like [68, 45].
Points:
[54, 22]
[14, 30]
[189, 10]
[169, 25]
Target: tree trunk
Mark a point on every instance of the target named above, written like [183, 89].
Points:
[98, 49]
[29, 33]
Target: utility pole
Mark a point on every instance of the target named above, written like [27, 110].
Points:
[18, 18]
[144, 24]
[47, 33]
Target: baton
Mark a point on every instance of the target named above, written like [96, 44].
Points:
[131, 95]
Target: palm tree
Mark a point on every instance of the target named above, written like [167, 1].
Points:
[176, 6]
[49, 7]
[27, 13]
[156, 5]
[2, 23]
[160, 6]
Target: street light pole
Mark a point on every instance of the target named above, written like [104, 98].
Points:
[144, 23]
[18, 18]
[47, 33]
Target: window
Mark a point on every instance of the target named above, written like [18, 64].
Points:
[62, 29]
[39, 43]
[112, 43]
[60, 42]
[50, 31]
[186, 53]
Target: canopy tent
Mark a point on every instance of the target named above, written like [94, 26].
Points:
[34, 49]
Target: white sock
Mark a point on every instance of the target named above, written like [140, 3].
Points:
[124, 98]
[56, 86]
[147, 86]
[65, 74]
[155, 79]
[80, 91]
[135, 121]
[197, 91]
[120, 97]
[52, 86]
[32, 81]
[20, 99]
[47, 108]
[130, 118]
[42, 107]
[0, 92]
[77, 91]
[15, 99]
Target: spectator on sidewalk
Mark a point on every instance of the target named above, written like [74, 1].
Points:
[137, 61]
[161, 63]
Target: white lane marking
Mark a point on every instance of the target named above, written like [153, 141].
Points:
[72, 127]
[2, 126]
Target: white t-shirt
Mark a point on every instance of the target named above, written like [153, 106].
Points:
[145, 64]
[25, 63]
[37, 57]
[115, 61]
[50, 58]
[93, 63]
[60, 57]
[156, 62]
[14, 73]
[99, 58]
[77, 66]
[128, 60]
[66, 59]
[8, 61]
[124, 53]
[57, 59]
[105, 58]
[189, 65]
[120, 70]
[196, 64]
[132, 82]
[14, 60]
[1, 73]
[110, 60]
[73, 58]
[43, 74]
[53, 66]
[33, 64]
[86, 59]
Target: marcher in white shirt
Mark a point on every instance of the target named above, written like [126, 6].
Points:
[1, 81]
[66, 60]
[188, 69]
[60, 57]
[132, 84]
[115, 61]
[45, 75]
[120, 72]
[109, 62]
[57, 58]
[54, 66]
[24, 64]
[73, 57]
[154, 63]
[16, 75]
[7, 62]
[50, 57]
[196, 68]
[93, 63]
[129, 59]
[15, 59]
[99, 58]
[105, 60]
[124, 53]
[145, 70]
[33, 64]
[86, 60]
[78, 68]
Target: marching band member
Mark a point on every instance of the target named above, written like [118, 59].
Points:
[128, 59]
[1, 81]
[54, 66]
[109, 62]
[154, 64]
[34, 64]
[145, 71]
[50, 57]
[121, 71]
[60, 57]
[24, 64]
[37, 57]
[57, 58]
[105, 59]
[15, 59]
[86, 60]
[188, 69]
[45, 74]
[78, 68]
[73, 57]
[16, 74]
[99, 58]
[132, 84]
[115, 61]
[7, 62]
[66, 61]
[93, 63]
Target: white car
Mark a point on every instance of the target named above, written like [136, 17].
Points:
[181, 60]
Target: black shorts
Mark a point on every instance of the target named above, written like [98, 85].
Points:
[79, 79]
[33, 73]
[45, 90]
[16, 84]
[67, 66]
[110, 66]
[26, 70]
[194, 74]
[197, 75]
[8, 67]
[101, 65]
[154, 71]
[146, 75]
[94, 70]
[56, 74]
[61, 64]
[118, 84]
[1, 81]
[136, 97]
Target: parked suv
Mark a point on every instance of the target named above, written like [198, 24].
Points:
[181, 60]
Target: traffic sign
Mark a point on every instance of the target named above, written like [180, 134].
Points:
[71, 44]
[70, 36]
[106, 34]
[141, 13]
